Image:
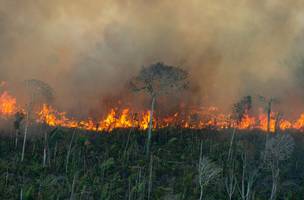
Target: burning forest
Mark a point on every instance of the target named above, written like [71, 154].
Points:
[119, 116]
[144, 100]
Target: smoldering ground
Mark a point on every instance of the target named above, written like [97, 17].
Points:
[87, 50]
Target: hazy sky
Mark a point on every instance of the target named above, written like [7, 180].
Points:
[88, 49]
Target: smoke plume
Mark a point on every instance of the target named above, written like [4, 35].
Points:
[87, 50]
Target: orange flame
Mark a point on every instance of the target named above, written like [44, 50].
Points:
[126, 118]
[7, 105]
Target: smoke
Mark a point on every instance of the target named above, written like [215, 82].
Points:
[88, 49]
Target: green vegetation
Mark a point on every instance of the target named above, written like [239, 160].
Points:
[183, 164]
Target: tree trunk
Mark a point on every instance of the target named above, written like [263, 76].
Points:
[150, 127]
[16, 138]
[243, 196]
[275, 177]
[231, 144]
[150, 177]
[24, 138]
[199, 169]
[27, 123]
[277, 123]
[45, 150]
[268, 116]
[201, 194]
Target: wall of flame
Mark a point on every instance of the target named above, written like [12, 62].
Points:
[126, 118]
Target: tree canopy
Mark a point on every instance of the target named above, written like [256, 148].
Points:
[159, 78]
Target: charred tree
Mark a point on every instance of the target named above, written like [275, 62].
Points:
[268, 108]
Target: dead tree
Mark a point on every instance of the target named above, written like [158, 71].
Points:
[248, 178]
[37, 90]
[230, 179]
[207, 172]
[268, 107]
[156, 80]
[277, 149]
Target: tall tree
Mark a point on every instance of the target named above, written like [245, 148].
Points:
[277, 149]
[156, 80]
[37, 90]
[207, 171]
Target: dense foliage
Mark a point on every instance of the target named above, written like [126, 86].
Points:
[83, 165]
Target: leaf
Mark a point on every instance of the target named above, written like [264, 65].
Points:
[28, 193]
[172, 140]
[108, 163]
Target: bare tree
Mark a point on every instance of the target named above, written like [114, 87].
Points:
[248, 178]
[268, 107]
[156, 80]
[37, 90]
[278, 148]
[207, 172]
[230, 179]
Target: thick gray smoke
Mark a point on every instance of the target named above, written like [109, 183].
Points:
[88, 49]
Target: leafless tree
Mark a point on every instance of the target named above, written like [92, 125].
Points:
[37, 90]
[278, 148]
[156, 80]
[230, 179]
[231, 144]
[248, 178]
[207, 172]
[268, 107]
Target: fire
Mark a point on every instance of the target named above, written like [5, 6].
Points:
[144, 123]
[7, 105]
[299, 124]
[285, 124]
[52, 117]
[247, 122]
[113, 119]
[263, 123]
[127, 118]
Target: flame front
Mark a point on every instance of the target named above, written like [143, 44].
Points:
[127, 118]
[113, 119]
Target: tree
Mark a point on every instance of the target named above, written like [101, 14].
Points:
[19, 116]
[242, 107]
[268, 107]
[37, 90]
[277, 149]
[156, 80]
[248, 178]
[207, 172]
